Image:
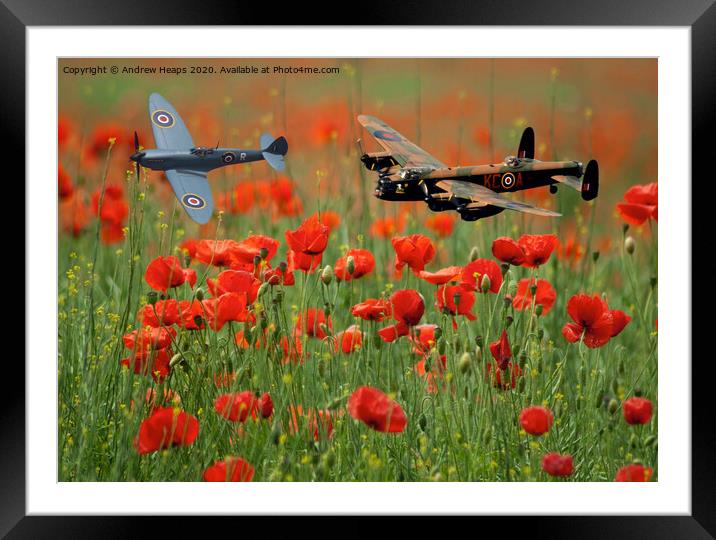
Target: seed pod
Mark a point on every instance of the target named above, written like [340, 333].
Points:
[539, 308]
[151, 297]
[350, 265]
[613, 406]
[629, 244]
[595, 256]
[508, 321]
[504, 267]
[263, 253]
[465, 362]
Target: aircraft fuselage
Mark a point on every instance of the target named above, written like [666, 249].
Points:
[197, 159]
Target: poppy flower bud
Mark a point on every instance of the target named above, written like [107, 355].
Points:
[152, 297]
[625, 228]
[539, 308]
[478, 341]
[478, 353]
[263, 253]
[651, 439]
[474, 254]
[438, 333]
[595, 256]
[176, 359]
[422, 422]
[613, 406]
[327, 275]
[464, 364]
[508, 321]
[199, 294]
[533, 288]
[485, 283]
[350, 265]
[257, 260]
[629, 245]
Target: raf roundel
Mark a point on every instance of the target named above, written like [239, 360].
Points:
[508, 180]
[163, 119]
[193, 201]
[228, 157]
[385, 135]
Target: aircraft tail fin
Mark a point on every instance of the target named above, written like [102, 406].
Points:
[273, 150]
[590, 181]
[527, 144]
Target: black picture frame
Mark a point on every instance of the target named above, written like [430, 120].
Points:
[16, 15]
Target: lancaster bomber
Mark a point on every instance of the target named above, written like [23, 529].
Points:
[186, 165]
[406, 172]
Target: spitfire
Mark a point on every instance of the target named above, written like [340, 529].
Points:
[406, 172]
[186, 165]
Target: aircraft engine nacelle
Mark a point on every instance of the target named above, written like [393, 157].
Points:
[473, 214]
[375, 161]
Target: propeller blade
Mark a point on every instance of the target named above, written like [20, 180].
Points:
[136, 142]
[359, 142]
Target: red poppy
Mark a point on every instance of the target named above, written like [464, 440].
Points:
[634, 473]
[557, 465]
[64, 183]
[642, 203]
[441, 224]
[376, 410]
[162, 312]
[280, 275]
[311, 237]
[415, 251]
[424, 338]
[536, 420]
[166, 427]
[314, 323]
[300, 261]
[388, 227]
[235, 281]
[236, 406]
[363, 262]
[545, 295]
[473, 273]
[64, 130]
[442, 276]
[330, 219]
[227, 307]
[243, 253]
[570, 249]
[501, 351]
[372, 309]
[224, 379]
[265, 405]
[619, 321]
[637, 410]
[319, 423]
[512, 372]
[165, 272]
[74, 213]
[188, 247]
[111, 233]
[507, 250]
[216, 252]
[349, 340]
[114, 209]
[139, 363]
[292, 351]
[231, 469]
[537, 248]
[146, 339]
[407, 307]
[193, 315]
[455, 300]
[592, 319]
[99, 139]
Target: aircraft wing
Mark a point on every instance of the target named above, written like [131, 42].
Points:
[193, 192]
[169, 130]
[406, 153]
[480, 194]
[571, 181]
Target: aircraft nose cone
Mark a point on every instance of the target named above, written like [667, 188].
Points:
[136, 156]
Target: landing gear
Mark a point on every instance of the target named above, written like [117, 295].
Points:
[553, 189]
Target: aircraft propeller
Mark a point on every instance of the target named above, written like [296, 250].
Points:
[137, 154]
